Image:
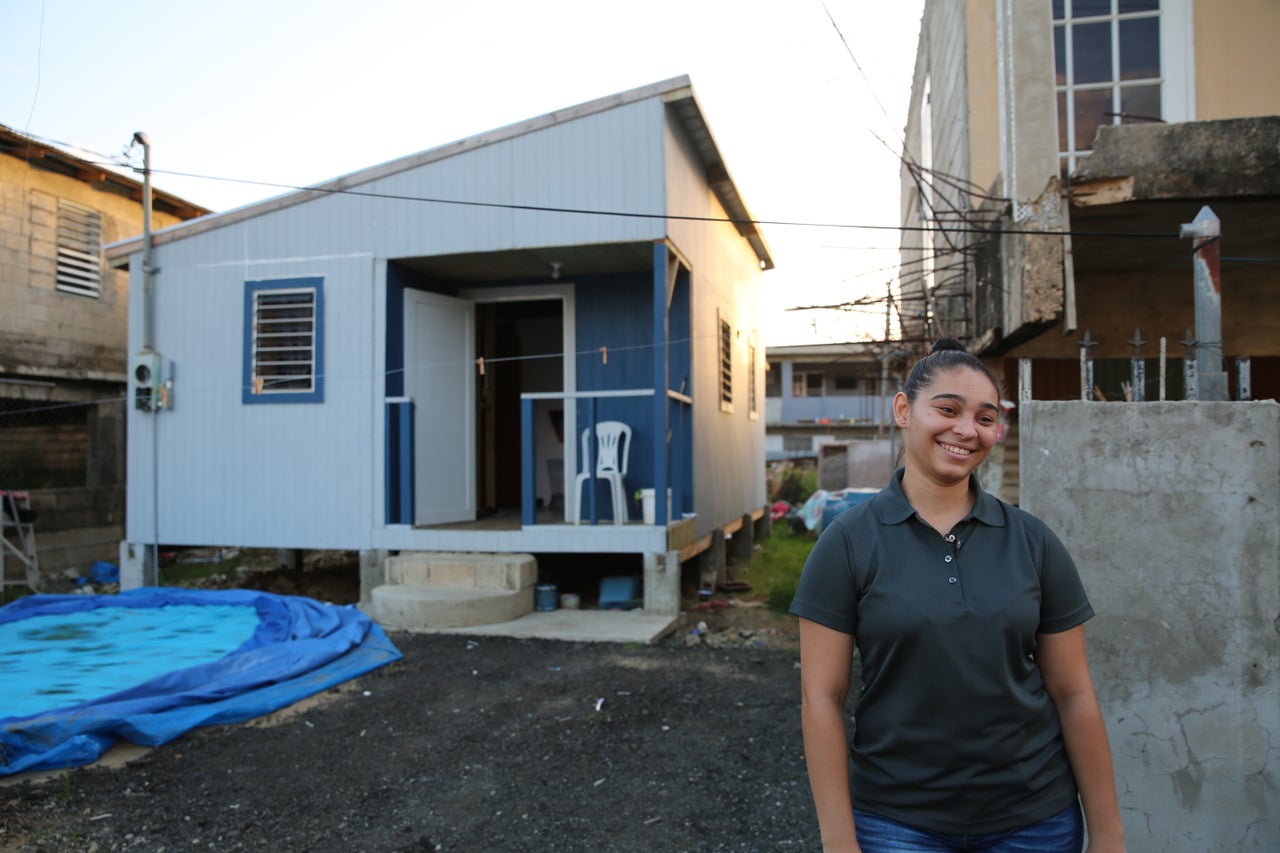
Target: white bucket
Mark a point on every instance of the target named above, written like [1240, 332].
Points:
[646, 505]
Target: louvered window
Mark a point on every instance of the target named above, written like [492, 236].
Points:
[726, 366]
[283, 356]
[79, 250]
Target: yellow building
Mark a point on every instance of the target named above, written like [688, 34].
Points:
[1053, 151]
[63, 343]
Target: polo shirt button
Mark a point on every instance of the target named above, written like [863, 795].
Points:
[951, 580]
[947, 558]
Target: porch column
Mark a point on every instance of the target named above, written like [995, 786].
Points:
[660, 405]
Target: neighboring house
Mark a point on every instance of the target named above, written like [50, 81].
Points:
[447, 326]
[63, 343]
[1029, 120]
[831, 402]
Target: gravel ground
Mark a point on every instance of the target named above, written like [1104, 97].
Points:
[472, 744]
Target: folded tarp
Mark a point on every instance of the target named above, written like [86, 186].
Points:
[299, 647]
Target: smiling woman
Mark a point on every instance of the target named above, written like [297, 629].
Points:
[955, 601]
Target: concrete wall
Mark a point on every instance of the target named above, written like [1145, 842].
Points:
[44, 332]
[1172, 513]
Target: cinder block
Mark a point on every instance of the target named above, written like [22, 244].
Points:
[450, 572]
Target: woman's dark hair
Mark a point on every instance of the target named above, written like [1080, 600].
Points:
[947, 354]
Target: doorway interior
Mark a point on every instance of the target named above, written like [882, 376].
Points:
[523, 342]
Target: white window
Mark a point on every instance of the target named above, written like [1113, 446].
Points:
[1118, 62]
[283, 341]
[79, 250]
[806, 384]
[726, 366]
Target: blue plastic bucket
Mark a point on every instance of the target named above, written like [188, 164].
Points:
[545, 596]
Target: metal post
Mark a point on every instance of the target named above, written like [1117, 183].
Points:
[1024, 381]
[1206, 231]
[1164, 358]
[1189, 368]
[1244, 381]
[147, 286]
[151, 559]
[1086, 367]
[1137, 369]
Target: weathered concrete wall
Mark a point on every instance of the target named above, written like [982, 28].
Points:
[1172, 512]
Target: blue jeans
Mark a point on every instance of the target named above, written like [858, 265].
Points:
[1062, 833]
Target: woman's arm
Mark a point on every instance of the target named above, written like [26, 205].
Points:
[1065, 669]
[826, 659]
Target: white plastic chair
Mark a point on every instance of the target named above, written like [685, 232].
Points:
[613, 446]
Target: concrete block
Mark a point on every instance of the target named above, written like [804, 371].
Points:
[662, 583]
[507, 571]
[373, 572]
[447, 572]
[463, 569]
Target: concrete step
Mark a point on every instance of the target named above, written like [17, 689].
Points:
[411, 606]
[463, 569]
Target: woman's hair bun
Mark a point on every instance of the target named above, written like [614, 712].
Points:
[944, 344]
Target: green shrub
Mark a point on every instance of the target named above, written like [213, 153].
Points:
[774, 570]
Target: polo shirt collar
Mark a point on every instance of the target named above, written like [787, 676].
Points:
[893, 507]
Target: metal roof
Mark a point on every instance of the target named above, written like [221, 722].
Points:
[676, 93]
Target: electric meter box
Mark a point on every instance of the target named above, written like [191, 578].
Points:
[145, 373]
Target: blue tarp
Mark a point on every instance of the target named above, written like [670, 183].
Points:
[300, 647]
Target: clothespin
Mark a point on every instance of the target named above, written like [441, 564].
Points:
[480, 364]
[604, 355]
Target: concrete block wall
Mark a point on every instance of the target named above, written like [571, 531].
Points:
[1172, 513]
[42, 330]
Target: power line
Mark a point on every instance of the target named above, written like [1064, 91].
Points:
[538, 208]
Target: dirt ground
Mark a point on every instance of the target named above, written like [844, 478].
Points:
[475, 744]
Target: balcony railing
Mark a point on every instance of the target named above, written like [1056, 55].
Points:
[671, 469]
[851, 408]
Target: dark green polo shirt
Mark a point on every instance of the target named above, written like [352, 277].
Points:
[954, 730]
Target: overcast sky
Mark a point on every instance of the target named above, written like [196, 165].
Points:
[293, 92]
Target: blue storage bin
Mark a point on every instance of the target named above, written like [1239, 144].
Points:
[618, 593]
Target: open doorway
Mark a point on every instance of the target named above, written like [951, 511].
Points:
[522, 342]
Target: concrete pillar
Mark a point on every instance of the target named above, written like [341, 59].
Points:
[373, 572]
[289, 559]
[743, 541]
[711, 562]
[133, 565]
[662, 583]
[764, 525]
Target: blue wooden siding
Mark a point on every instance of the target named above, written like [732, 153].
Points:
[614, 312]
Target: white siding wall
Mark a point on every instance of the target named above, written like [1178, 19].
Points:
[728, 448]
[310, 475]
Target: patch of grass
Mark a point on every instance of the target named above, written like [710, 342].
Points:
[774, 570]
[13, 593]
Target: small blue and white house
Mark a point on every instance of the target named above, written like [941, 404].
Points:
[405, 359]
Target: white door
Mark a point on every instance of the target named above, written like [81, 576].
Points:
[439, 375]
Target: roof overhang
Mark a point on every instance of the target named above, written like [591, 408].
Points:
[676, 92]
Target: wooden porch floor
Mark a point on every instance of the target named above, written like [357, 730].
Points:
[509, 519]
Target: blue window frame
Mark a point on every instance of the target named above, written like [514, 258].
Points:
[284, 341]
